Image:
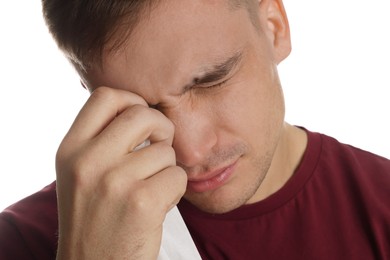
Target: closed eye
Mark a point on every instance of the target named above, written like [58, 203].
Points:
[220, 73]
[217, 85]
[209, 88]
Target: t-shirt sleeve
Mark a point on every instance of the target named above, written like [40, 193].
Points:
[28, 228]
[12, 245]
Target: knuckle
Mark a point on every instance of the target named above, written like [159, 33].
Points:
[146, 203]
[176, 188]
[167, 151]
[113, 95]
[105, 96]
[136, 111]
[103, 93]
[180, 178]
[80, 170]
[142, 201]
[77, 167]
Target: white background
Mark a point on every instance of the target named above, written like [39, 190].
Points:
[336, 81]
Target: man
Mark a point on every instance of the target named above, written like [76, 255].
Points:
[199, 80]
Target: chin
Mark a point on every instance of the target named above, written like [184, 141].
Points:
[220, 201]
[216, 208]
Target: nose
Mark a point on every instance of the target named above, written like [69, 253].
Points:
[195, 137]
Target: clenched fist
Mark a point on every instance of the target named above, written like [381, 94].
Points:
[113, 198]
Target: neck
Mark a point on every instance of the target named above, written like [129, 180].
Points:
[287, 157]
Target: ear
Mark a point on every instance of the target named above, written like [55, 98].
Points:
[274, 22]
[83, 84]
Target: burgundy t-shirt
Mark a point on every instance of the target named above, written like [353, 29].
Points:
[28, 229]
[335, 206]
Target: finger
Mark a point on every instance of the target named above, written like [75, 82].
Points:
[169, 186]
[146, 162]
[132, 127]
[102, 107]
[158, 193]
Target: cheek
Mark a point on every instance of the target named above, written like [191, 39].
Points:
[252, 114]
[251, 108]
[254, 102]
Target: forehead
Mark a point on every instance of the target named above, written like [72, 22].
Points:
[177, 40]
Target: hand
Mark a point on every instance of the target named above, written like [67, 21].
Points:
[112, 200]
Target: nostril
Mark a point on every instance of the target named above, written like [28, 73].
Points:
[193, 149]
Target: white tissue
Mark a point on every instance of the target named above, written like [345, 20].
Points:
[177, 243]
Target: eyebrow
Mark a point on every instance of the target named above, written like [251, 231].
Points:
[217, 71]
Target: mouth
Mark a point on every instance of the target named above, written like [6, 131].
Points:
[211, 180]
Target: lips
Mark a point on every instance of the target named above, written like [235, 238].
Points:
[211, 180]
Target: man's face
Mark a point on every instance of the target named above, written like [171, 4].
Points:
[213, 73]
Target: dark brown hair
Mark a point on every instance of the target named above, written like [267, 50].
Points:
[84, 29]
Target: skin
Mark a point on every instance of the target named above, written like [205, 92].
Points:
[155, 90]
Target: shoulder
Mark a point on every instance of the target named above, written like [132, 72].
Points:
[356, 185]
[29, 227]
[353, 160]
[359, 175]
